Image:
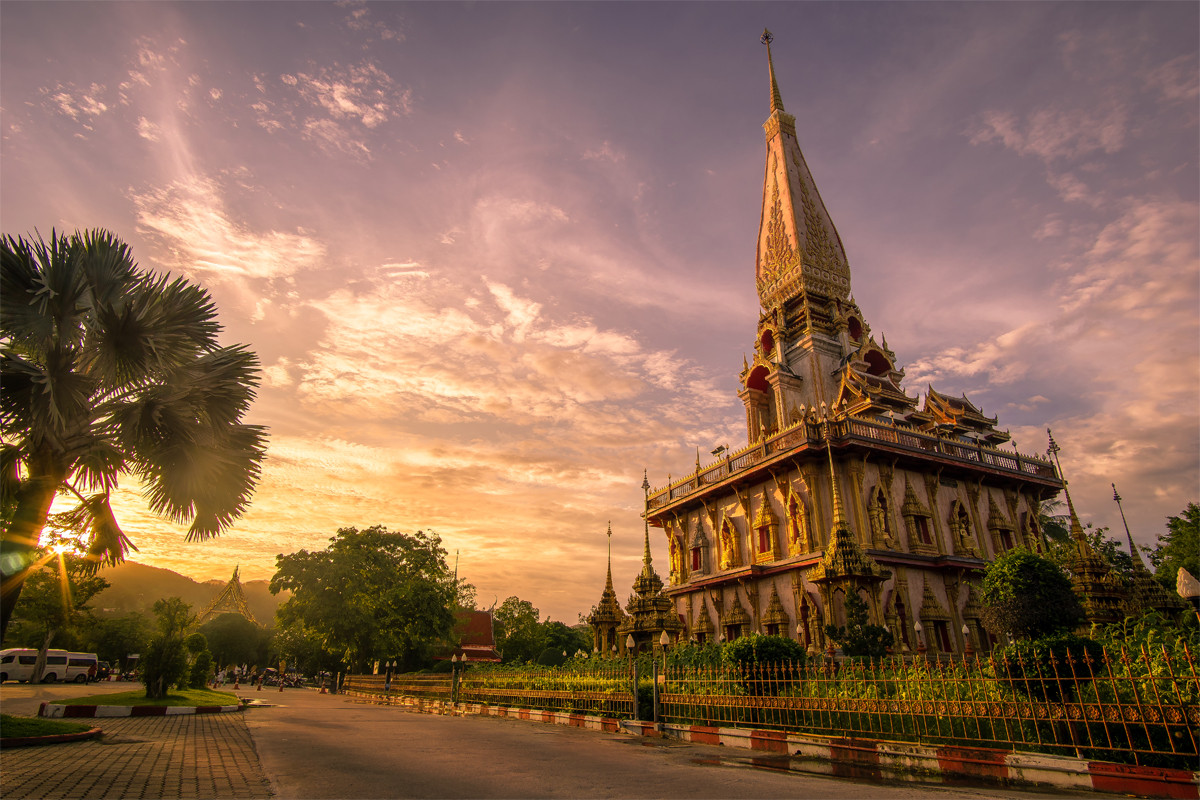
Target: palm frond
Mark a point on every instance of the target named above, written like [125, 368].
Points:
[93, 521]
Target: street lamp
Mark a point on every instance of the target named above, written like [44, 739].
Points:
[968, 651]
[920, 637]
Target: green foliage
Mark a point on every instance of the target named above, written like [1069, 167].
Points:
[200, 671]
[196, 643]
[1048, 668]
[371, 595]
[21, 727]
[113, 639]
[519, 633]
[233, 639]
[110, 370]
[56, 599]
[1178, 548]
[859, 638]
[710, 654]
[165, 662]
[1028, 596]
[756, 657]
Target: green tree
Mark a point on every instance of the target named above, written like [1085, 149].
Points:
[858, 638]
[233, 639]
[56, 598]
[371, 595]
[202, 662]
[107, 370]
[520, 636]
[165, 662]
[1178, 548]
[1029, 597]
[114, 639]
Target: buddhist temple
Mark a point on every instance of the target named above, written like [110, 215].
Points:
[230, 600]
[848, 483]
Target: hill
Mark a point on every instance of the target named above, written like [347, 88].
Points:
[136, 587]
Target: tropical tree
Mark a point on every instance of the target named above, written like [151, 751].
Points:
[520, 636]
[57, 595]
[233, 639]
[165, 663]
[107, 370]
[1178, 547]
[371, 595]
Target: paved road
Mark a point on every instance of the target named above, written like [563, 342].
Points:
[311, 745]
[323, 746]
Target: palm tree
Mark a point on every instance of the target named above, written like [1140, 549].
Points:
[105, 371]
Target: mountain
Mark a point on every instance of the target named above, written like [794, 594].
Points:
[136, 587]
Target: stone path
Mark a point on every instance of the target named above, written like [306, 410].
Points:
[195, 756]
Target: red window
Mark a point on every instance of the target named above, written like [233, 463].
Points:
[696, 559]
[923, 531]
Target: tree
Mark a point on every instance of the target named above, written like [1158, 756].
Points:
[1178, 547]
[233, 639]
[202, 661]
[858, 638]
[1029, 597]
[114, 639]
[165, 663]
[519, 633]
[371, 595]
[57, 594]
[107, 370]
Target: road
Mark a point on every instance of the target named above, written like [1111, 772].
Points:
[325, 746]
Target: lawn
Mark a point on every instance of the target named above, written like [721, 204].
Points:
[178, 697]
[19, 727]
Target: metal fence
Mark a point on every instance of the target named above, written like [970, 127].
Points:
[604, 690]
[1134, 707]
[1130, 706]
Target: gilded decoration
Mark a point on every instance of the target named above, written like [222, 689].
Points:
[729, 545]
[999, 527]
[798, 536]
[932, 608]
[960, 529]
[917, 522]
[775, 616]
[766, 530]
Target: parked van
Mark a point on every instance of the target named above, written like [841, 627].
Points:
[17, 664]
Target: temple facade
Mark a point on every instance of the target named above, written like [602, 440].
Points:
[848, 483]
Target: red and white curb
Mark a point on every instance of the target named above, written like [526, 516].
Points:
[60, 710]
[903, 761]
[866, 758]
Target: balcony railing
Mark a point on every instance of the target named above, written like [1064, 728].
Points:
[850, 430]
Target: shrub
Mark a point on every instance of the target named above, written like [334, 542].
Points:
[202, 668]
[1029, 597]
[858, 638]
[163, 665]
[1050, 667]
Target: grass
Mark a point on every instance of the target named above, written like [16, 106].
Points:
[20, 727]
[177, 697]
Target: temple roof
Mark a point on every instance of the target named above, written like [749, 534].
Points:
[799, 249]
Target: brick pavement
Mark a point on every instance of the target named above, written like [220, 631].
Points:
[194, 756]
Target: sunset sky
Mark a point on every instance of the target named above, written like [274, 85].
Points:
[498, 258]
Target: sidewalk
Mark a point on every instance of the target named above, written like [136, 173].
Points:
[193, 756]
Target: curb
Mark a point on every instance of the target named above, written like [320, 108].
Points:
[864, 759]
[54, 738]
[57, 710]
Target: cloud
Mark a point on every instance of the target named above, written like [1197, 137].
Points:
[201, 237]
[148, 130]
[1053, 134]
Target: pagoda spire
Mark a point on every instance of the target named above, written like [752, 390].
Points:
[1077, 533]
[647, 567]
[1132, 549]
[608, 585]
[776, 98]
[799, 250]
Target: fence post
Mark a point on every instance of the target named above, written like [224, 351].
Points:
[635, 689]
[654, 691]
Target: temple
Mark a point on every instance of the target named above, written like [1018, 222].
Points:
[230, 600]
[848, 483]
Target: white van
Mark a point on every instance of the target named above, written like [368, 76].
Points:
[17, 664]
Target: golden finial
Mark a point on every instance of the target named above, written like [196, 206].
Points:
[1132, 550]
[1076, 528]
[646, 568]
[776, 98]
[839, 516]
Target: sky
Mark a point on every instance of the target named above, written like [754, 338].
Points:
[497, 259]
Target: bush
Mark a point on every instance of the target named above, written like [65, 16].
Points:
[202, 668]
[1029, 597]
[1050, 667]
[163, 665]
[759, 649]
[858, 638]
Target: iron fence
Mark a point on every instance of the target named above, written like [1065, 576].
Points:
[431, 687]
[604, 690]
[1134, 707]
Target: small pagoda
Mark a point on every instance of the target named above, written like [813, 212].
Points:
[607, 616]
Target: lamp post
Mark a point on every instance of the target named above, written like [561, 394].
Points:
[454, 679]
[663, 641]
[920, 638]
[968, 650]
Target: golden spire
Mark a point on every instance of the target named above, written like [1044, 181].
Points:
[839, 516]
[1076, 529]
[776, 98]
[1132, 550]
[647, 568]
[608, 586]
